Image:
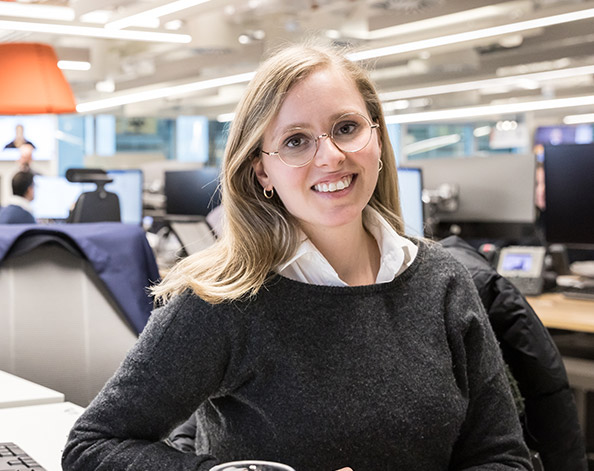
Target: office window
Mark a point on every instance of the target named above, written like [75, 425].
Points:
[145, 134]
[192, 138]
[481, 138]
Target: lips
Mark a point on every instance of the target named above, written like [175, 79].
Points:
[331, 187]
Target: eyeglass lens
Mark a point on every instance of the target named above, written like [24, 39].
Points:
[350, 133]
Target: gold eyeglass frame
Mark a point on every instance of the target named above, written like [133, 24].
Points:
[325, 135]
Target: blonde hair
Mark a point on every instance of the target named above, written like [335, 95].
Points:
[259, 233]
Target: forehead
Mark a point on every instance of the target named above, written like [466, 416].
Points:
[321, 96]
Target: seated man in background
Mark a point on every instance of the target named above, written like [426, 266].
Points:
[18, 210]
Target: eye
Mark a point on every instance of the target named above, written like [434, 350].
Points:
[296, 141]
[345, 128]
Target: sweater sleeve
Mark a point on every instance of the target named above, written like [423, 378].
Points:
[491, 436]
[178, 361]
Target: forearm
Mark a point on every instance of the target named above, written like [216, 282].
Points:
[85, 451]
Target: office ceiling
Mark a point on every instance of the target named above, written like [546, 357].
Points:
[550, 61]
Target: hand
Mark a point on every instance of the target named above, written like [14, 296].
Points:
[345, 469]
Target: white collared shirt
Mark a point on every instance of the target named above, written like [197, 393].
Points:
[20, 201]
[308, 265]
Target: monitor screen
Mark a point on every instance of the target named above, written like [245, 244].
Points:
[56, 196]
[39, 130]
[569, 171]
[192, 192]
[494, 189]
[410, 186]
[517, 262]
[127, 184]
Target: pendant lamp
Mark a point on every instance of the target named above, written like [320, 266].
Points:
[31, 82]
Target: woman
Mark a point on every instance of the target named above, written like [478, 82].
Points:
[313, 333]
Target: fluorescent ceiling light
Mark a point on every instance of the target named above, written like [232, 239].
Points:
[466, 16]
[152, 13]
[518, 80]
[89, 31]
[42, 12]
[74, 65]
[472, 35]
[431, 144]
[475, 111]
[579, 118]
[162, 92]
[225, 117]
[482, 131]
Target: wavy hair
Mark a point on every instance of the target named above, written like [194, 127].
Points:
[259, 233]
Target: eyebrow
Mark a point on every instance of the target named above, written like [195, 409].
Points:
[300, 125]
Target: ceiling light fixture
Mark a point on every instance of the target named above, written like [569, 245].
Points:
[74, 65]
[89, 31]
[487, 110]
[579, 118]
[225, 117]
[35, 11]
[162, 92]
[431, 144]
[428, 24]
[472, 35]
[518, 80]
[152, 13]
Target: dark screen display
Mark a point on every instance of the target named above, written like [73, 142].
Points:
[192, 192]
[569, 185]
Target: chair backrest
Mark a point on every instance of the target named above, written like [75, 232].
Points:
[550, 419]
[96, 206]
[59, 326]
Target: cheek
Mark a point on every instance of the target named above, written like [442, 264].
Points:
[286, 180]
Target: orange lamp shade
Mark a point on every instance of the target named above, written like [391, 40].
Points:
[31, 82]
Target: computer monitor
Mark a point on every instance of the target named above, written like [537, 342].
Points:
[192, 192]
[410, 186]
[127, 184]
[495, 189]
[56, 196]
[569, 214]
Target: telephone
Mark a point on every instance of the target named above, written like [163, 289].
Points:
[524, 267]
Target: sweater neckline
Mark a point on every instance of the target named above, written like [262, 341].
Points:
[275, 278]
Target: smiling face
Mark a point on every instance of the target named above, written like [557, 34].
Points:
[331, 191]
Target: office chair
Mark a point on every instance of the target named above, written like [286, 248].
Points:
[99, 205]
[60, 326]
[72, 302]
[549, 416]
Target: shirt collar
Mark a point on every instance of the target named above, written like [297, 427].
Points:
[310, 266]
[20, 201]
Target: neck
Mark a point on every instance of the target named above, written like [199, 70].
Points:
[352, 252]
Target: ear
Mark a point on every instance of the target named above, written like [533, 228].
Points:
[260, 171]
[30, 193]
[379, 138]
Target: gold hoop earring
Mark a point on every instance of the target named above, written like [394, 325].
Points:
[268, 194]
[381, 165]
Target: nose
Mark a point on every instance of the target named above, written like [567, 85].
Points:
[327, 153]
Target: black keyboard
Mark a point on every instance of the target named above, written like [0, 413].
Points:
[586, 293]
[13, 458]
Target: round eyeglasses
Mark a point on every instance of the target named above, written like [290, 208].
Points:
[297, 147]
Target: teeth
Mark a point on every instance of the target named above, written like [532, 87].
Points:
[334, 186]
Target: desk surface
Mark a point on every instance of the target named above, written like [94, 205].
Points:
[15, 392]
[41, 431]
[558, 312]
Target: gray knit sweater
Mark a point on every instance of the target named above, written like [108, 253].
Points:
[399, 376]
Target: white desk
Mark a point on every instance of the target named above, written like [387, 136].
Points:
[41, 430]
[15, 392]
